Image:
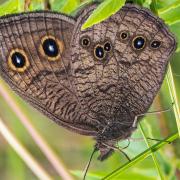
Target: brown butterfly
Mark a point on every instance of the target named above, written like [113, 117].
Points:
[96, 82]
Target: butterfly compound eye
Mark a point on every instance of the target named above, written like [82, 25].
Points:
[85, 41]
[155, 44]
[18, 60]
[138, 43]
[51, 48]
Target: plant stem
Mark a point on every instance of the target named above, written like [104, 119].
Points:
[173, 95]
[152, 154]
[141, 156]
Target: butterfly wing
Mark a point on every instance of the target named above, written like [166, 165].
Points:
[121, 79]
[35, 58]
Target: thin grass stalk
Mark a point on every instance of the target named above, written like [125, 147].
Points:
[38, 139]
[140, 157]
[23, 153]
[173, 95]
[152, 154]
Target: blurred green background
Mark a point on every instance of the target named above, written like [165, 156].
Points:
[74, 150]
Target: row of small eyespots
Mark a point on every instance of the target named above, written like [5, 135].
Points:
[138, 42]
[51, 48]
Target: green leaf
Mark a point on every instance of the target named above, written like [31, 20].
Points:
[171, 13]
[10, 6]
[153, 6]
[147, 3]
[89, 176]
[175, 29]
[80, 6]
[36, 5]
[56, 5]
[166, 3]
[104, 10]
[140, 2]
[69, 6]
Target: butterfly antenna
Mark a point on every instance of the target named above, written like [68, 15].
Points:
[151, 113]
[89, 162]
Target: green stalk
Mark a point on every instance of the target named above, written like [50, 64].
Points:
[141, 156]
[152, 154]
[173, 95]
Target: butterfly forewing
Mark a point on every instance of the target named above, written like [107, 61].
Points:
[45, 80]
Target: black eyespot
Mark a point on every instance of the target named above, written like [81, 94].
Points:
[18, 60]
[139, 42]
[85, 41]
[124, 35]
[155, 44]
[50, 47]
[107, 46]
[99, 52]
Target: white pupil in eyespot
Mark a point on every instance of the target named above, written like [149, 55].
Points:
[51, 48]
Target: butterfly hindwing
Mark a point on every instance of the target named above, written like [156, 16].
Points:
[122, 62]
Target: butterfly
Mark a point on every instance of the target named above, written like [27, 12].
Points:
[96, 82]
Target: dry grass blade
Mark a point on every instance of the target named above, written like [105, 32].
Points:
[23, 153]
[48, 152]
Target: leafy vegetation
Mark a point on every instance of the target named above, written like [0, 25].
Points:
[151, 160]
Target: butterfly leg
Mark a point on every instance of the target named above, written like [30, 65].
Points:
[149, 113]
[109, 136]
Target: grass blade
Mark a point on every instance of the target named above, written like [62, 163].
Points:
[141, 156]
[152, 154]
[172, 91]
[23, 153]
[38, 139]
